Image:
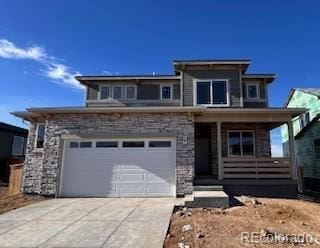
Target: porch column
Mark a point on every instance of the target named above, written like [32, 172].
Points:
[219, 151]
[292, 150]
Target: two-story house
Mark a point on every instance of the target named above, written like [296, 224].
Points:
[159, 135]
[306, 129]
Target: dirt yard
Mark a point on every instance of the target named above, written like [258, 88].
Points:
[270, 219]
[8, 203]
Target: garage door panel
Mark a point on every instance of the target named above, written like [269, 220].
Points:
[159, 189]
[139, 177]
[159, 178]
[118, 172]
[80, 190]
[129, 189]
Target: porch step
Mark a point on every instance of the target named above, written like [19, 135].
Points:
[206, 181]
[208, 188]
[209, 199]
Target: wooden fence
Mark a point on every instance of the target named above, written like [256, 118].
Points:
[256, 168]
[15, 179]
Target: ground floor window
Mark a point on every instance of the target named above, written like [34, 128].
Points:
[241, 143]
[18, 146]
[316, 144]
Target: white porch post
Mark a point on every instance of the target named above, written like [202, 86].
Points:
[292, 150]
[219, 150]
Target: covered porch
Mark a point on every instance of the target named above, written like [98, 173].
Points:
[234, 146]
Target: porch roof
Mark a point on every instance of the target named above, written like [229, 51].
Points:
[201, 113]
[274, 116]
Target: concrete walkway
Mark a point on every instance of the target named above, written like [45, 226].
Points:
[92, 222]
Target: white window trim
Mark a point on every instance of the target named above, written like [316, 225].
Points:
[196, 81]
[122, 91]
[256, 84]
[171, 93]
[135, 92]
[36, 137]
[241, 149]
[110, 92]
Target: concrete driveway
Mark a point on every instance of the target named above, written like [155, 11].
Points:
[91, 222]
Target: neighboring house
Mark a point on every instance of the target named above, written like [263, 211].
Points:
[159, 135]
[12, 147]
[307, 133]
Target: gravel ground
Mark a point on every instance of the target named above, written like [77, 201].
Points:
[268, 218]
[8, 203]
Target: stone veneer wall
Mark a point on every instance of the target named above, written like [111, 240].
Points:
[41, 171]
[261, 134]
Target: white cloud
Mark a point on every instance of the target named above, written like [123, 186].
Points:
[60, 73]
[276, 150]
[105, 72]
[9, 50]
[57, 72]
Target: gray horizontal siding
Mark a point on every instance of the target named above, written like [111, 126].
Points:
[92, 92]
[176, 92]
[231, 75]
[148, 94]
[133, 103]
[254, 104]
[263, 95]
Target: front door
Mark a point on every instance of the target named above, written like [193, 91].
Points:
[202, 150]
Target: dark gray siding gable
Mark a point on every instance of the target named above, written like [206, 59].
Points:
[262, 101]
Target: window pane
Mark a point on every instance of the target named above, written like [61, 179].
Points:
[74, 144]
[159, 143]
[307, 118]
[234, 143]
[219, 92]
[85, 144]
[252, 91]
[203, 93]
[40, 135]
[133, 144]
[106, 144]
[117, 92]
[317, 148]
[166, 92]
[131, 92]
[105, 92]
[247, 144]
[17, 146]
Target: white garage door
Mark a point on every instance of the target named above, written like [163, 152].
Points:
[118, 168]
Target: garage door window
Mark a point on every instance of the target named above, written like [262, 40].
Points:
[133, 144]
[74, 145]
[155, 144]
[106, 144]
[85, 144]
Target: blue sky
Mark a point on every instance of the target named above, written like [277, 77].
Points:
[45, 43]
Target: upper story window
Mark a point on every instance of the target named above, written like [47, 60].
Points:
[105, 92]
[304, 119]
[252, 91]
[316, 146]
[166, 92]
[40, 132]
[212, 92]
[131, 92]
[18, 146]
[117, 92]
